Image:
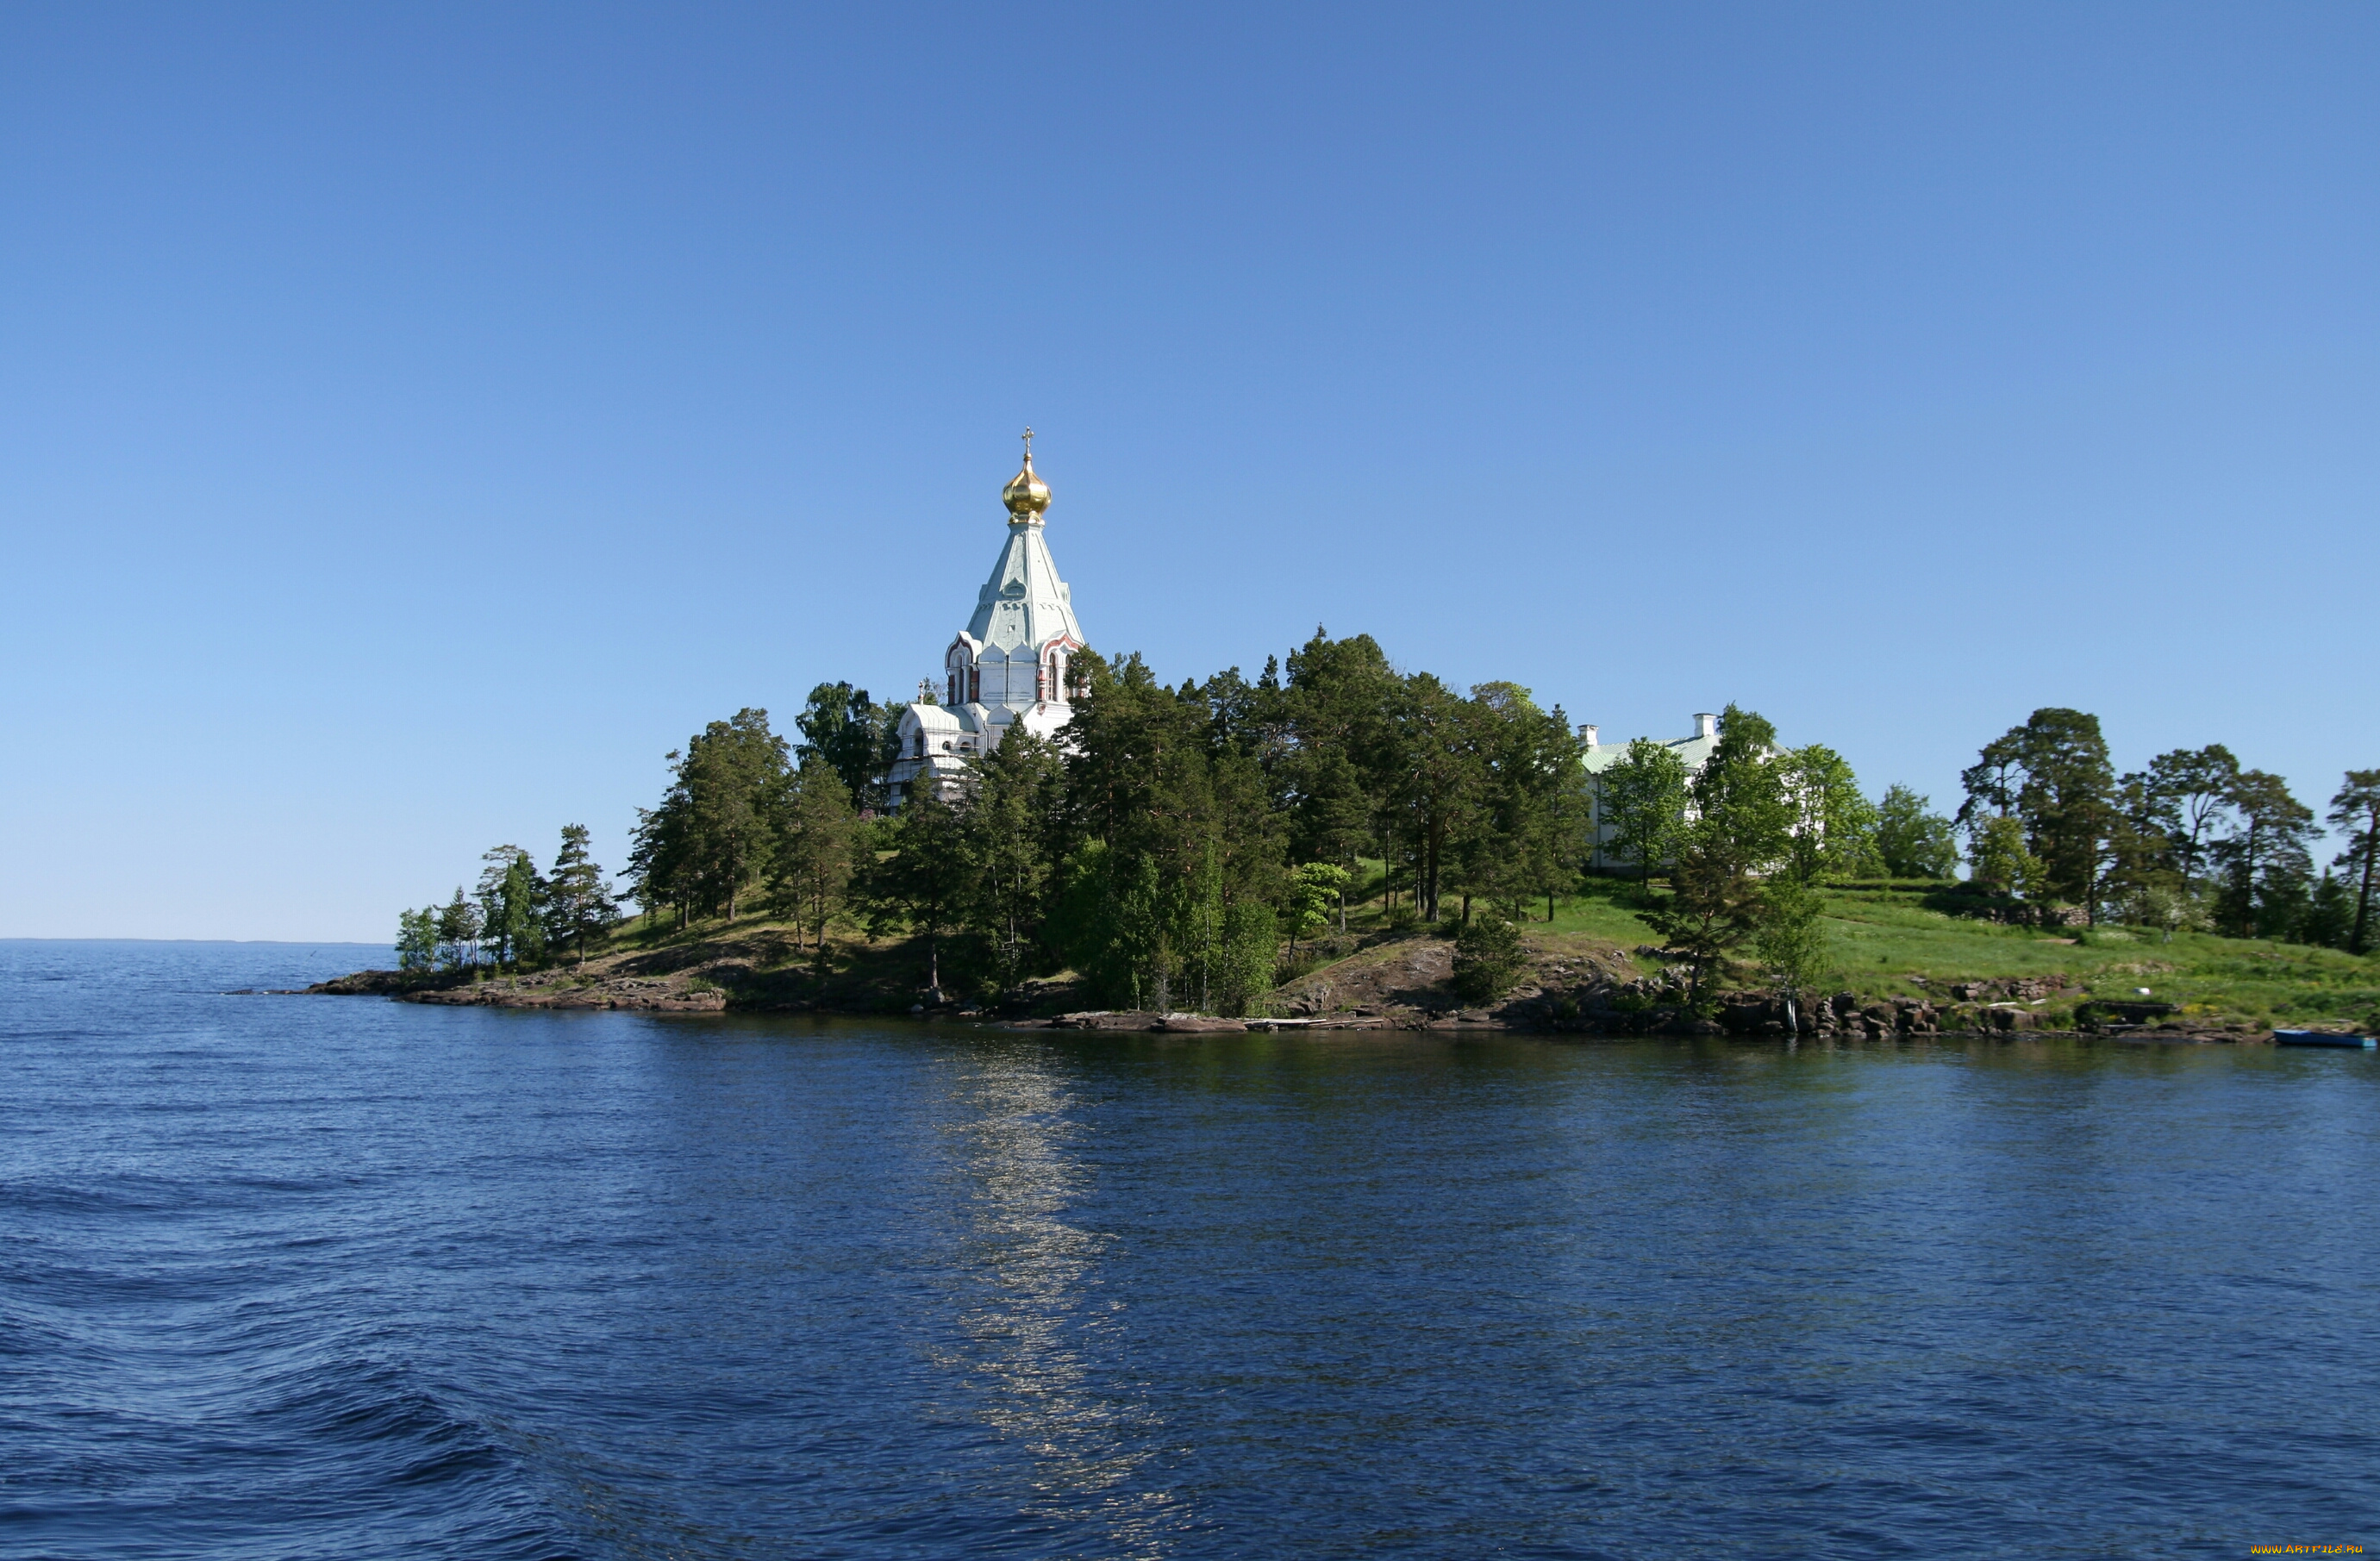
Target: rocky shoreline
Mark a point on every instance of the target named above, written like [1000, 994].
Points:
[1596, 1005]
[549, 989]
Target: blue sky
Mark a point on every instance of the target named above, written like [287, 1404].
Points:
[415, 421]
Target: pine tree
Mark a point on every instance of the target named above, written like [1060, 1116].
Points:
[2185, 797]
[2263, 865]
[1438, 777]
[1007, 839]
[458, 931]
[2053, 774]
[921, 883]
[2355, 812]
[710, 838]
[578, 901]
[1712, 907]
[512, 902]
[2329, 920]
[815, 851]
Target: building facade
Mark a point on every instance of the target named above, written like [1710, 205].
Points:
[1010, 669]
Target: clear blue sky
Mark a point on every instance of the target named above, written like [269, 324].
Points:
[414, 421]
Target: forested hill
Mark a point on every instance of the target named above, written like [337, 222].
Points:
[1179, 845]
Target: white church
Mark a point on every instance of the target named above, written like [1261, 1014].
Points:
[1009, 666]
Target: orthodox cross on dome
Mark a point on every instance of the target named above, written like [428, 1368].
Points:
[1028, 442]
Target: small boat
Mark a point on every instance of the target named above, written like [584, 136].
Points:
[2321, 1038]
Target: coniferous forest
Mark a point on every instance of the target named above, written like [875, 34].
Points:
[1179, 845]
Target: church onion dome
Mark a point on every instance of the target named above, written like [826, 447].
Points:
[1027, 495]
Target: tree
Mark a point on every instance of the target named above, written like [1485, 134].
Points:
[1914, 842]
[661, 869]
[2000, 861]
[2355, 812]
[2170, 907]
[841, 729]
[1488, 957]
[512, 902]
[1741, 829]
[1172, 845]
[1312, 889]
[2263, 865]
[1712, 908]
[920, 881]
[458, 931]
[1438, 775]
[417, 939]
[817, 831]
[1790, 943]
[1330, 816]
[1511, 846]
[1640, 798]
[578, 901]
[1833, 831]
[1334, 772]
[2186, 798]
[2053, 774]
[2329, 920]
[1007, 830]
[1743, 815]
[710, 838]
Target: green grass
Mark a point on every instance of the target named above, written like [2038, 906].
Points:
[1881, 938]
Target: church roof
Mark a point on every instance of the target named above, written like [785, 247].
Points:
[1024, 603]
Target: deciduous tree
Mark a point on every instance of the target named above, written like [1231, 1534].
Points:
[1833, 830]
[1914, 842]
[1642, 798]
[841, 729]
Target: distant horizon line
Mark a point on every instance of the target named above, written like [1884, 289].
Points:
[276, 942]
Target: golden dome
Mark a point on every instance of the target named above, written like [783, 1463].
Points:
[1027, 495]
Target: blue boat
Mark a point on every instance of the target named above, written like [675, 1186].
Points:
[2321, 1038]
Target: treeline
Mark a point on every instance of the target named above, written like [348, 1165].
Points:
[519, 918]
[1177, 840]
[1165, 852]
[2193, 840]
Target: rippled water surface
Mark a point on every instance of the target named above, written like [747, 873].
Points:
[314, 1276]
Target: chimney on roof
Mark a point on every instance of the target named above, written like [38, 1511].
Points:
[1587, 735]
[1705, 724]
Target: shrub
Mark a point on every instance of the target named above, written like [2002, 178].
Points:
[1487, 959]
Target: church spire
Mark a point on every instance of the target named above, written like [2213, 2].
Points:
[1027, 495]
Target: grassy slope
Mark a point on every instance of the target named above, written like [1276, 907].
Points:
[1880, 939]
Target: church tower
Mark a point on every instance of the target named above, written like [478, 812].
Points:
[1009, 666]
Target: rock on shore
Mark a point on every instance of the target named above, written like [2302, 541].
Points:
[549, 989]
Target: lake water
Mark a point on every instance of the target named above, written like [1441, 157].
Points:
[317, 1277]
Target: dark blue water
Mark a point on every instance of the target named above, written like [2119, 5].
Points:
[312, 1276]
